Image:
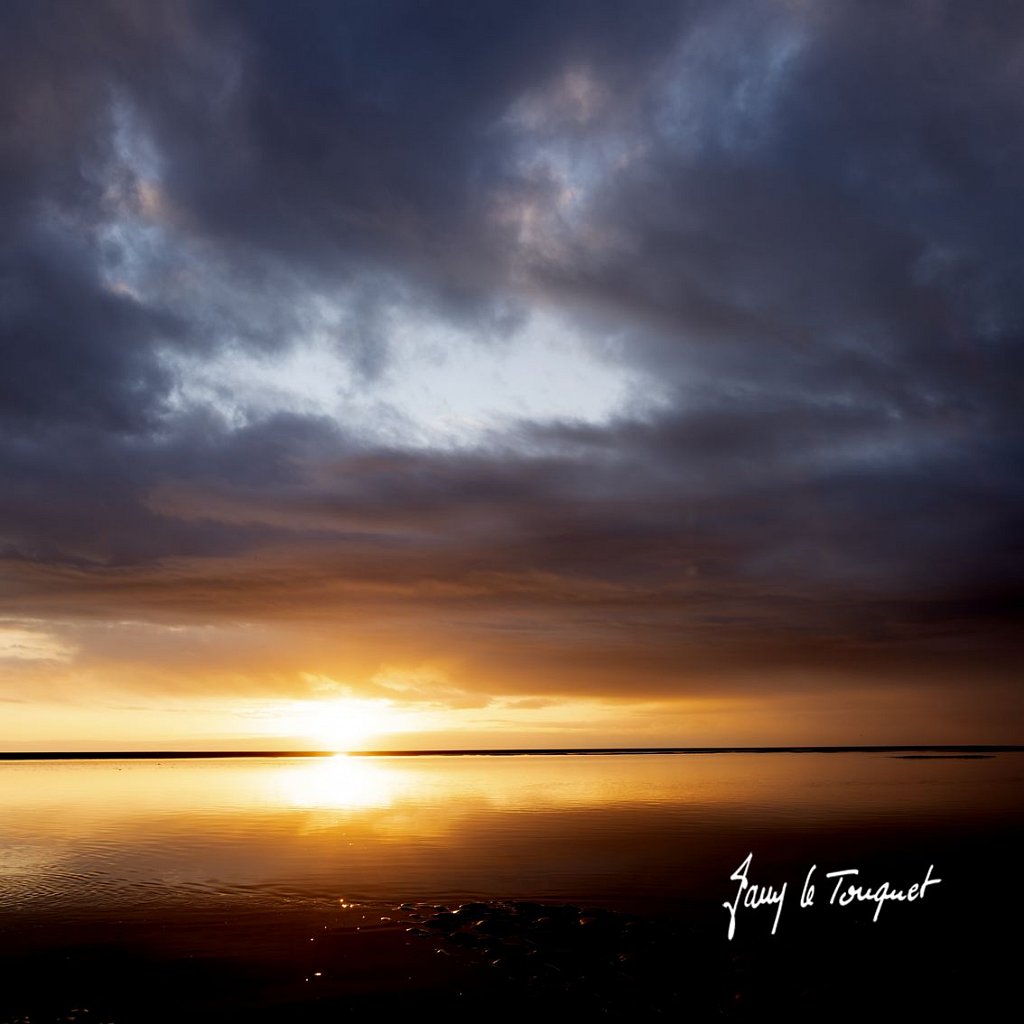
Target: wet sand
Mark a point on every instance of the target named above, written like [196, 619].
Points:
[495, 960]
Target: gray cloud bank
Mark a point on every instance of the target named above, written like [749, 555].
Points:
[802, 221]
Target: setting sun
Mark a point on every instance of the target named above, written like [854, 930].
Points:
[340, 724]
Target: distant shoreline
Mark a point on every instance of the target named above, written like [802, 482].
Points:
[162, 755]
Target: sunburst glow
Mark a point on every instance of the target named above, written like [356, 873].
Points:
[340, 724]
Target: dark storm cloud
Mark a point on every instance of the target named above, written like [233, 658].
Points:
[803, 221]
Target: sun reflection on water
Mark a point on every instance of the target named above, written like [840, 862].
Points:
[340, 783]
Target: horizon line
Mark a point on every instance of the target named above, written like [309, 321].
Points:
[117, 755]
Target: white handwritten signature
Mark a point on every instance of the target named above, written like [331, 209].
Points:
[751, 895]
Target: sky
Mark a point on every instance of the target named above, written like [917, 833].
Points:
[413, 375]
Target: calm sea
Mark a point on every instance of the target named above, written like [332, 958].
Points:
[249, 860]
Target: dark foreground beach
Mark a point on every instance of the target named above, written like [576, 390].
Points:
[497, 961]
[313, 892]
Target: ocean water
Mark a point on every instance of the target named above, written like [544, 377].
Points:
[246, 864]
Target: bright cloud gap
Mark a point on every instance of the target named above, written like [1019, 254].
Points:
[442, 388]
